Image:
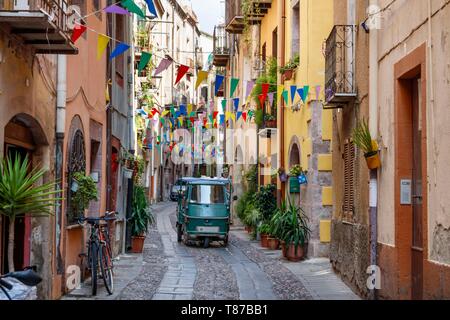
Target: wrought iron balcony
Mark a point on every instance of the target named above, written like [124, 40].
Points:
[221, 47]
[41, 24]
[237, 11]
[340, 84]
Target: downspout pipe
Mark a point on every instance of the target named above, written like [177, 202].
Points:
[373, 127]
[281, 53]
[61, 95]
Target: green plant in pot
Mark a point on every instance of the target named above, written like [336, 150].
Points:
[141, 218]
[294, 232]
[85, 191]
[288, 69]
[364, 141]
[252, 218]
[21, 195]
[264, 230]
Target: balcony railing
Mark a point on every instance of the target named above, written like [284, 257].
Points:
[221, 47]
[42, 24]
[340, 87]
[235, 16]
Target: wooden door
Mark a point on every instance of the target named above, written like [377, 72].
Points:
[417, 196]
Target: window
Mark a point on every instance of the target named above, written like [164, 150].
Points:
[348, 206]
[295, 49]
[207, 194]
[76, 163]
[264, 52]
[275, 43]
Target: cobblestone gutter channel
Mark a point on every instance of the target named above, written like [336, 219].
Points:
[285, 284]
[153, 270]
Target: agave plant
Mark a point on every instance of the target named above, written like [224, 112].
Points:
[21, 195]
[363, 140]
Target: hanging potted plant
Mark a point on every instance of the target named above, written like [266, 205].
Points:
[363, 140]
[289, 69]
[140, 219]
[294, 183]
[84, 191]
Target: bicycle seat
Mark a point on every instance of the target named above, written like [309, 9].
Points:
[27, 277]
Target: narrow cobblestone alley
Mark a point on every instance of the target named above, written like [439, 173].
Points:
[169, 270]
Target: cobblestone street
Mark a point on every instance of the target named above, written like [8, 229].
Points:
[169, 270]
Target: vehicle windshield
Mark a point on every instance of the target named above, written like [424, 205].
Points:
[207, 194]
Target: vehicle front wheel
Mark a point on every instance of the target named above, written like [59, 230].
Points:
[225, 241]
[179, 233]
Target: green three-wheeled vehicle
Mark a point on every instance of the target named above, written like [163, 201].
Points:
[203, 213]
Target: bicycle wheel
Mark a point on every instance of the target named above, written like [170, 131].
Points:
[94, 266]
[106, 268]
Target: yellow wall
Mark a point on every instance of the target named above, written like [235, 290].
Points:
[268, 25]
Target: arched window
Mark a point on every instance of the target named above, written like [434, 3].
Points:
[76, 163]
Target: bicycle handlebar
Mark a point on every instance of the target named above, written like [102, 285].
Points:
[107, 217]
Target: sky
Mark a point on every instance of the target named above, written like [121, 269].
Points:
[209, 12]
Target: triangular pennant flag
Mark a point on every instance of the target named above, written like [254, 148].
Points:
[189, 109]
[301, 93]
[280, 89]
[151, 7]
[222, 119]
[183, 109]
[250, 86]
[286, 97]
[215, 114]
[244, 116]
[238, 115]
[162, 120]
[180, 120]
[219, 81]
[233, 86]
[121, 48]
[293, 92]
[318, 89]
[201, 76]
[236, 104]
[132, 7]
[211, 119]
[102, 43]
[165, 113]
[182, 70]
[116, 9]
[224, 105]
[305, 94]
[172, 110]
[265, 89]
[227, 115]
[78, 32]
[165, 63]
[233, 117]
[262, 99]
[145, 59]
[271, 96]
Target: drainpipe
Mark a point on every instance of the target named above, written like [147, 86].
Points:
[281, 107]
[61, 94]
[373, 126]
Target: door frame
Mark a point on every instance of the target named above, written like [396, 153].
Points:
[410, 67]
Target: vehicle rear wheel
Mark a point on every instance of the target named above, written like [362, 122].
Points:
[225, 241]
[179, 233]
[206, 243]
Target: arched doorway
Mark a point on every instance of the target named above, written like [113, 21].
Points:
[294, 159]
[24, 137]
[238, 167]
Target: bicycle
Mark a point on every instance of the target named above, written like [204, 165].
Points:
[99, 251]
[28, 277]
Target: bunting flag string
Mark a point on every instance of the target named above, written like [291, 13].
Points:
[121, 48]
[233, 86]
[116, 10]
[219, 81]
[78, 32]
[151, 7]
[182, 70]
[102, 43]
[145, 60]
[201, 76]
[133, 7]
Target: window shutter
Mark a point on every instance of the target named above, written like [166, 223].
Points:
[349, 180]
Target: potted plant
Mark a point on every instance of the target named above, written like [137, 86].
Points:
[363, 140]
[294, 173]
[264, 230]
[140, 219]
[270, 121]
[20, 195]
[252, 218]
[296, 233]
[288, 70]
[84, 191]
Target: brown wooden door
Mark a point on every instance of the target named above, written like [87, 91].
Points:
[417, 200]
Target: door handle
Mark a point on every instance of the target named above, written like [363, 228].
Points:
[417, 197]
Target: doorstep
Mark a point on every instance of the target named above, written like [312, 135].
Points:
[126, 268]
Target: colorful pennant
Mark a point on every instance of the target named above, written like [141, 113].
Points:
[151, 7]
[121, 48]
[164, 64]
[182, 70]
[250, 86]
[236, 104]
[78, 32]
[116, 10]
[219, 81]
[293, 92]
[233, 86]
[145, 59]
[133, 7]
[201, 76]
[102, 43]
[271, 97]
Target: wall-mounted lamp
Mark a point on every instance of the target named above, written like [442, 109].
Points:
[365, 27]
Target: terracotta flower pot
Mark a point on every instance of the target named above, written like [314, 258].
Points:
[373, 161]
[273, 243]
[264, 240]
[295, 253]
[283, 248]
[289, 74]
[137, 244]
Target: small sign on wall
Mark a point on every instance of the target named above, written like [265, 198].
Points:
[405, 192]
